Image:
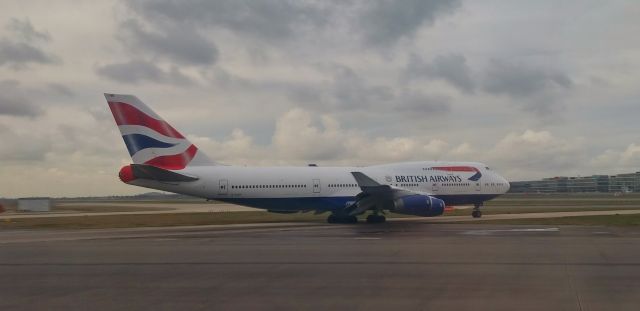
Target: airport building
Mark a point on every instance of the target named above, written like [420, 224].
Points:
[597, 183]
[34, 205]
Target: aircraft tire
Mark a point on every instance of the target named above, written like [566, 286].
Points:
[476, 214]
[375, 219]
[332, 219]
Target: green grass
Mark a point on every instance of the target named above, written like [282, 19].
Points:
[107, 208]
[508, 204]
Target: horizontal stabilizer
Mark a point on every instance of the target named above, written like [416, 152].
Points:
[144, 171]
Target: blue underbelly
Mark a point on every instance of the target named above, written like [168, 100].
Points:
[294, 204]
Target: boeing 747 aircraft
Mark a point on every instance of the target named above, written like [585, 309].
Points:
[164, 159]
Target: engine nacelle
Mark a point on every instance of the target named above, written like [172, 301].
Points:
[419, 205]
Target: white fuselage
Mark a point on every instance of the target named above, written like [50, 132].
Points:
[331, 188]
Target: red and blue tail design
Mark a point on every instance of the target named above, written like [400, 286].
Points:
[151, 140]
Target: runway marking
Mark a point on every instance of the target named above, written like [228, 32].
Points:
[491, 231]
[366, 238]
[316, 263]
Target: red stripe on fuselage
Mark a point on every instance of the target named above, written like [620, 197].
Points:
[176, 161]
[126, 114]
[456, 168]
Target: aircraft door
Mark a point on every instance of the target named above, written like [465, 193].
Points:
[477, 186]
[316, 186]
[434, 187]
[223, 187]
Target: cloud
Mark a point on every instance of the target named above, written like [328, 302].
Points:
[328, 75]
[299, 136]
[24, 29]
[296, 136]
[60, 89]
[384, 22]
[534, 89]
[181, 43]
[350, 91]
[20, 54]
[238, 148]
[378, 23]
[267, 20]
[425, 105]
[20, 51]
[23, 146]
[14, 103]
[137, 71]
[538, 153]
[452, 68]
[627, 160]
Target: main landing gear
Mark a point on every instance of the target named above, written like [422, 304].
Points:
[376, 219]
[371, 219]
[337, 219]
[476, 213]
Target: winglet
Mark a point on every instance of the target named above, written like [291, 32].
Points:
[364, 180]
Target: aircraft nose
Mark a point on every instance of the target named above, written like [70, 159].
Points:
[507, 184]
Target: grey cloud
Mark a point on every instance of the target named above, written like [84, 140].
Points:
[20, 51]
[137, 71]
[20, 54]
[351, 91]
[14, 103]
[386, 21]
[425, 105]
[22, 147]
[452, 68]
[379, 23]
[25, 30]
[60, 89]
[265, 20]
[178, 42]
[179, 27]
[536, 89]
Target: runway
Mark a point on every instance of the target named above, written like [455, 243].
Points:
[397, 265]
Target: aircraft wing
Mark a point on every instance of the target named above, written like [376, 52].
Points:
[374, 195]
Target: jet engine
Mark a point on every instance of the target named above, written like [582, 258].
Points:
[419, 205]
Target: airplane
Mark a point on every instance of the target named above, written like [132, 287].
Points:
[164, 159]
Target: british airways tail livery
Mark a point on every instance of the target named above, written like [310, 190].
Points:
[164, 159]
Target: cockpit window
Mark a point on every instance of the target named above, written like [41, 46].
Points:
[487, 168]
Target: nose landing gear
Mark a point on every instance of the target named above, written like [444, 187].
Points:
[476, 213]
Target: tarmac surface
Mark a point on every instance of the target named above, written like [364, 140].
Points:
[173, 208]
[398, 265]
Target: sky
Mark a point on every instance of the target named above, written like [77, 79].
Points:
[531, 88]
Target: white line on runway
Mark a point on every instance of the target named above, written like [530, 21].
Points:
[491, 231]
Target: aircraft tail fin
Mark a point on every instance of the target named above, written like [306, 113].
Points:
[150, 140]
